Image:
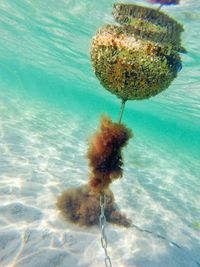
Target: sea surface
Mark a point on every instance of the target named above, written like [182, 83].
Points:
[51, 103]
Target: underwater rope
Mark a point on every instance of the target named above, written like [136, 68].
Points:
[121, 110]
[102, 217]
[102, 223]
[163, 238]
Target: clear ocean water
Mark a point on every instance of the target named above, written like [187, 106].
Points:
[51, 103]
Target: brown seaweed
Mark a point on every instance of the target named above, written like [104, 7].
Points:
[81, 206]
[105, 154]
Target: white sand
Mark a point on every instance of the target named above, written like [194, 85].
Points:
[42, 154]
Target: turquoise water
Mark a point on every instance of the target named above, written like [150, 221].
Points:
[50, 104]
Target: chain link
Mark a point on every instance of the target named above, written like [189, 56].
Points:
[102, 223]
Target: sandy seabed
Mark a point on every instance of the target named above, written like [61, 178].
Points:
[43, 153]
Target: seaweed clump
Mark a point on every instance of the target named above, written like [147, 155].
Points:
[105, 154]
[81, 206]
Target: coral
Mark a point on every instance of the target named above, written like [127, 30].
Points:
[140, 57]
[105, 154]
[81, 206]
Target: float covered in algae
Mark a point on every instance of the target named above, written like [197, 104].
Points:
[140, 57]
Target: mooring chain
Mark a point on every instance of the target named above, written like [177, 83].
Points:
[102, 223]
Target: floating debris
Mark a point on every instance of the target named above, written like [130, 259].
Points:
[165, 2]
